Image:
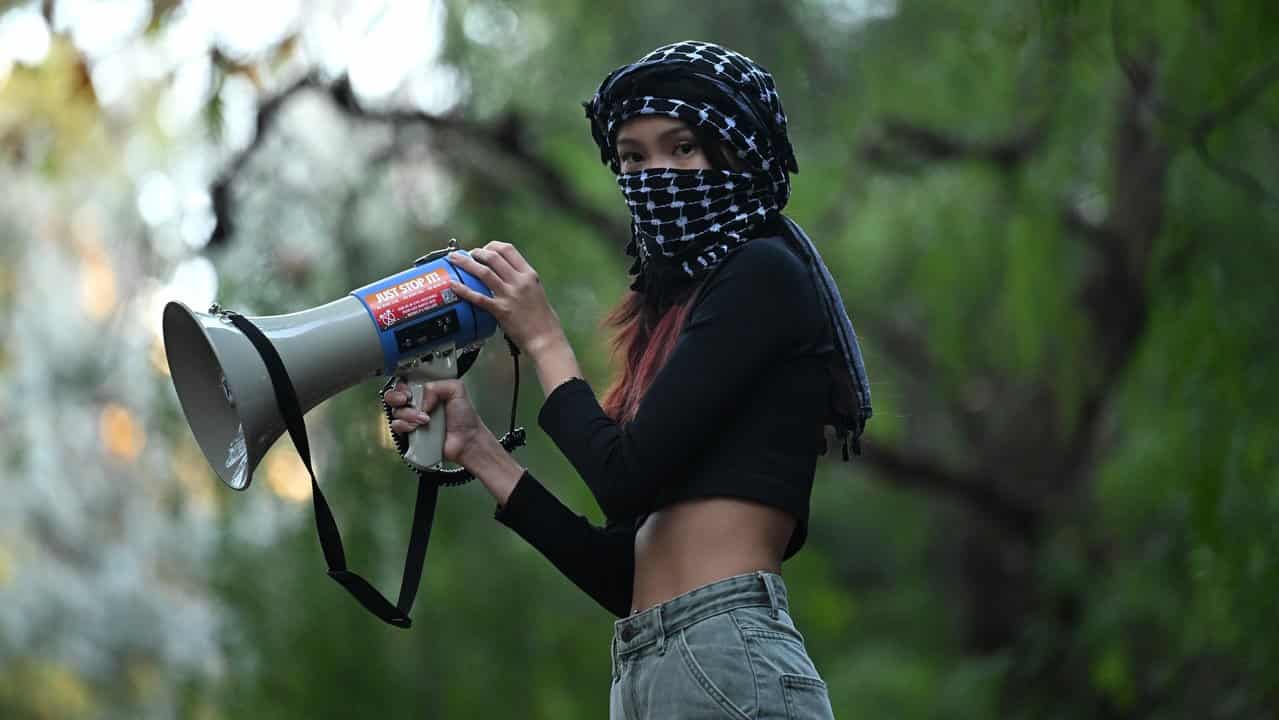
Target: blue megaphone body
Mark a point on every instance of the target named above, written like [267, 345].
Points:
[417, 314]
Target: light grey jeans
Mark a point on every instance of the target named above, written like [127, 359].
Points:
[724, 650]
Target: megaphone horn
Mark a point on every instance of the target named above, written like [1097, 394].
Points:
[225, 389]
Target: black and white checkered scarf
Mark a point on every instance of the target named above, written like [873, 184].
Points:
[685, 222]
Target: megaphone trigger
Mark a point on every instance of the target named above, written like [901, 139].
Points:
[426, 444]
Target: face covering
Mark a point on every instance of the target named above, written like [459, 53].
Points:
[691, 219]
[685, 223]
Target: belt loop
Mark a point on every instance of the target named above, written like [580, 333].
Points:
[661, 631]
[612, 654]
[772, 594]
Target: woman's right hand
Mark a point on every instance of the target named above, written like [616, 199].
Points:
[519, 301]
[520, 306]
[448, 400]
[467, 440]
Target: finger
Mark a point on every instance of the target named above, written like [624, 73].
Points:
[475, 297]
[403, 427]
[407, 420]
[432, 394]
[481, 271]
[411, 415]
[496, 262]
[440, 392]
[397, 395]
[511, 254]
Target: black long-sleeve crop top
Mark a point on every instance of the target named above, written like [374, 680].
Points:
[736, 411]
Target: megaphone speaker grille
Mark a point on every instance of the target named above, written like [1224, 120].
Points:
[205, 396]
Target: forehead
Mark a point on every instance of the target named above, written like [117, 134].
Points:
[642, 129]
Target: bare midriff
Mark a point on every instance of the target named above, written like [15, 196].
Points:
[696, 542]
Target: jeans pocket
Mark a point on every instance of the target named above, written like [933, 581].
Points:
[806, 698]
[715, 657]
[759, 621]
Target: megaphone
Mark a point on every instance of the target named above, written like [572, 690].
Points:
[410, 324]
[244, 381]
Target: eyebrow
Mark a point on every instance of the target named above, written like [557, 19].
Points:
[660, 136]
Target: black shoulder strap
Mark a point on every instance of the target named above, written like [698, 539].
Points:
[330, 539]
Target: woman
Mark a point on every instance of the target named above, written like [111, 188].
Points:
[735, 351]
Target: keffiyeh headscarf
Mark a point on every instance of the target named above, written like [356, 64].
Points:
[684, 223]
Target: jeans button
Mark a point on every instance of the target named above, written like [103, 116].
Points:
[628, 633]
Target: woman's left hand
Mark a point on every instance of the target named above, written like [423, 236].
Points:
[519, 302]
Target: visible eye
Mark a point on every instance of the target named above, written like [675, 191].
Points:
[685, 147]
[629, 157]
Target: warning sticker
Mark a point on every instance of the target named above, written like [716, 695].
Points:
[416, 295]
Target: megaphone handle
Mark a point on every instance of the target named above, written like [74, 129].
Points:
[426, 443]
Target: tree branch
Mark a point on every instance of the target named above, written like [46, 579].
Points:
[1256, 84]
[220, 192]
[902, 146]
[908, 346]
[503, 138]
[1115, 295]
[1135, 71]
[977, 492]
